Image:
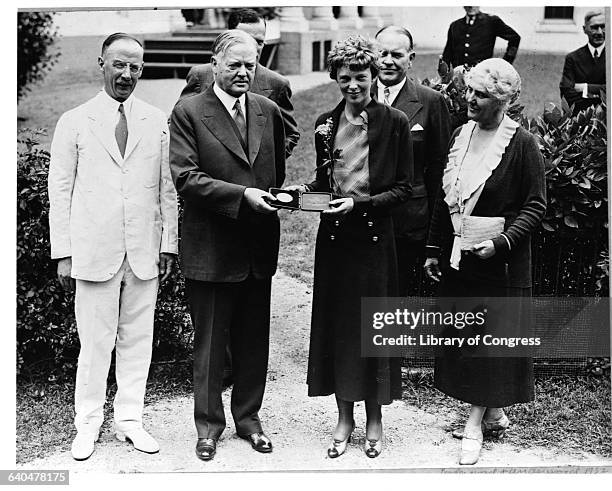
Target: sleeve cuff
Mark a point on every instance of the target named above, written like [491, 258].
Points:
[432, 251]
[501, 243]
[362, 203]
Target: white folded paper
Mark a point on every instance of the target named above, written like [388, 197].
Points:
[476, 229]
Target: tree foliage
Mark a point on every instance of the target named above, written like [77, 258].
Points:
[35, 35]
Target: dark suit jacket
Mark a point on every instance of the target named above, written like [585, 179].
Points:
[424, 107]
[222, 239]
[580, 67]
[389, 159]
[266, 83]
[471, 44]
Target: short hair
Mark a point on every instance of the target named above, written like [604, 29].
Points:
[230, 38]
[116, 37]
[356, 52]
[399, 30]
[590, 14]
[499, 78]
[243, 16]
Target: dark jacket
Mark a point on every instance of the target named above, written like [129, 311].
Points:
[426, 108]
[580, 67]
[470, 44]
[516, 190]
[390, 160]
[222, 238]
[266, 83]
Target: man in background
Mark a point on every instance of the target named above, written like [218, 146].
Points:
[430, 131]
[471, 39]
[584, 71]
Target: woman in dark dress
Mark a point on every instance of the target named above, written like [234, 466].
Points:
[355, 254]
[494, 169]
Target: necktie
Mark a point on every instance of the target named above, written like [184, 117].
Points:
[121, 130]
[240, 121]
[595, 55]
[387, 92]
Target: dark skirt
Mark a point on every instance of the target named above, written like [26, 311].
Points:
[354, 257]
[489, 382]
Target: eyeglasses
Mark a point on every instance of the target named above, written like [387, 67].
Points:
[135, 68]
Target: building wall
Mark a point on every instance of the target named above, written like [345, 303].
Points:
[429, 26]
[97, 23]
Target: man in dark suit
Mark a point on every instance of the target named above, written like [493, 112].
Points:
[430, 130]
[226, 148]
[471, 39]
[266, 82]
[584, 71]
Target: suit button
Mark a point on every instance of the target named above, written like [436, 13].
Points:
[337, 223]
[365, 215]
[370, 224]
[466, 54]
[332, 237]
[467, 35]
[375, 239]
[467, 45]
[124, 171]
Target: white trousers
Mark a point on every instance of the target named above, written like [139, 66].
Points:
[117, 313]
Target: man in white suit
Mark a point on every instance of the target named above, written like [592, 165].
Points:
[113, 225]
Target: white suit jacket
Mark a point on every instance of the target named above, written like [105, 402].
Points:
[103, 206]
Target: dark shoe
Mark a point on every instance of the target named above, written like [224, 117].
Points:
[259, 441]
[372, 448]
[206, 448]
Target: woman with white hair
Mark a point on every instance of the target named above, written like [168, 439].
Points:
[494, 169]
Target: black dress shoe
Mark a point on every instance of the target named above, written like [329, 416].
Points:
[259, 441]
[206, 448]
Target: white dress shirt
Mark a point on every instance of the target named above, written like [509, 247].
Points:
[229, 101]
[393, 91]
[113, 107]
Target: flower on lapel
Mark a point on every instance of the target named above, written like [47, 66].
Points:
[325, 131]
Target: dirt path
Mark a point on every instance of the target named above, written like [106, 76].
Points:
[300, 427]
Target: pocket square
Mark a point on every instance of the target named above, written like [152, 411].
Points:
[416, 127]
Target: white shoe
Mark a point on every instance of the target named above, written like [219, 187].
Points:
[83, 445]
[140, 439]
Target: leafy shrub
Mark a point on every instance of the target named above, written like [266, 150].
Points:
[47, 339]
[35, 34]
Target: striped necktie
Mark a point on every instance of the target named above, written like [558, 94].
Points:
[121, 130]
[240, 121]
[387, 93]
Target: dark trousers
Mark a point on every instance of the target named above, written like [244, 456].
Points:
[410, 260]
[237, 314]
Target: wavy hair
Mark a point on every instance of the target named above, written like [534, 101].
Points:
[355, 52]
[499, 78]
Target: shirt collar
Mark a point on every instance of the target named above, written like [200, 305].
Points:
[393, 90]
[468, 18]
[593, 48]
[113, 104]
[229, 101]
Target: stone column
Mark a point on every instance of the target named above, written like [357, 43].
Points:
[349, 18]
[293, 20]
[371, 17]
[323, 19]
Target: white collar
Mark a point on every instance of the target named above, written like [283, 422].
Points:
[593, 48]
[113, 104]
[229, 101]
[393, 90]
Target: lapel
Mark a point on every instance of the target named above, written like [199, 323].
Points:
[259, 85]
[407, 100]
[136, 127]
[102, 130]
[216, 118]
[256, 121]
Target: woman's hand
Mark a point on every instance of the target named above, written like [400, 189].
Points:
[484, 249]
[432, 270]
[340, 206]
[296, 187]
